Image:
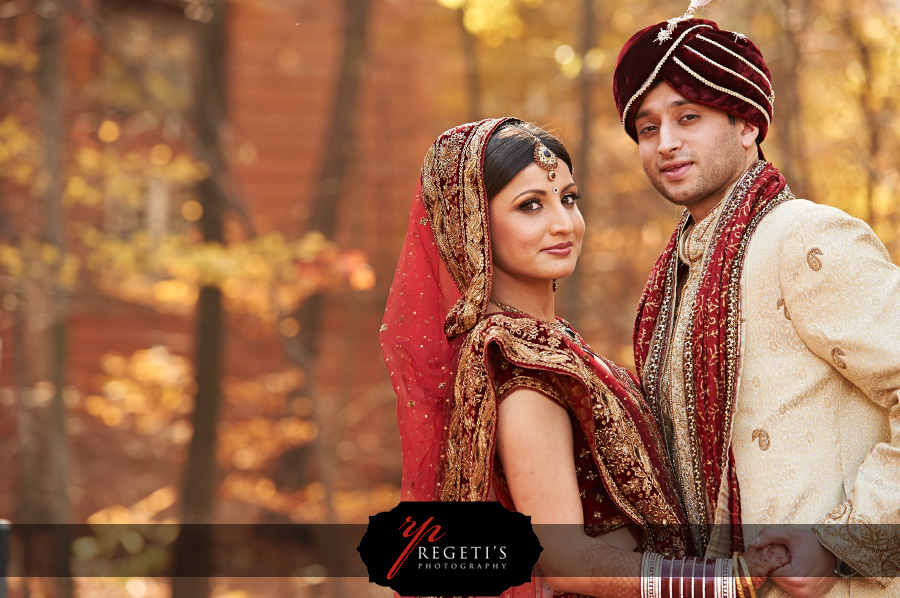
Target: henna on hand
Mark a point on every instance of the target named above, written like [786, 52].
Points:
[763, 561]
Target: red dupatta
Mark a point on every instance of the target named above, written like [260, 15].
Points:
[441, 288]
[713, 362]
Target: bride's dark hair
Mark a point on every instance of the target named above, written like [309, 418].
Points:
[511, 149]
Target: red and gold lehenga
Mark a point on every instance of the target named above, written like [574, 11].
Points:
[451, 365]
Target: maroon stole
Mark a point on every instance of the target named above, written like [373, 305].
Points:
[714, 355]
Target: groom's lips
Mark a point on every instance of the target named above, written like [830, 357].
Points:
[675, 170]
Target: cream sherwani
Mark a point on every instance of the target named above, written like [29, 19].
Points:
[816, 430]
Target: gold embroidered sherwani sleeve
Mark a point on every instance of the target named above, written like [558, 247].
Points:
[842, 294]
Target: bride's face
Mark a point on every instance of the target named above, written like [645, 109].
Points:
[536, 228]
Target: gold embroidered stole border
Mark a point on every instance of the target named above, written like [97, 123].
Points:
[540, 386]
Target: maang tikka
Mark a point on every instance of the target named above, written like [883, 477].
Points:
[546, 159]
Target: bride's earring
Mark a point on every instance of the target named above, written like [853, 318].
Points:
[554, 286]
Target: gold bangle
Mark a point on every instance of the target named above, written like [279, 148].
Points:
[746, 569]
[737, 575]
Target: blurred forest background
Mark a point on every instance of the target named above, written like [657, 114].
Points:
[202, 203]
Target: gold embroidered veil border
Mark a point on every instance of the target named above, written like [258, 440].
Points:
[441, 286]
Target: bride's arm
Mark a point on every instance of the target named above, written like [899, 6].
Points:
[534, 442]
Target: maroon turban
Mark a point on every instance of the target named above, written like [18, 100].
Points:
[701, 62]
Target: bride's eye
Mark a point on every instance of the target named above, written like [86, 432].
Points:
[570, 198]
[531, 205]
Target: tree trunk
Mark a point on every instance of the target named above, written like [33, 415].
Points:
[785, 73]
[339, 151]
[27, 493]
[470, 64]
[571, 295]
[50, 86]
[193, 564]
[340, 148]
[869, 105]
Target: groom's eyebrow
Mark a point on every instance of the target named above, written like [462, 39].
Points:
[674, 104]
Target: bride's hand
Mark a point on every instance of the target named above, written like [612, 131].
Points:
[763, 561]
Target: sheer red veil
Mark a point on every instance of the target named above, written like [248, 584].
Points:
[440, 290]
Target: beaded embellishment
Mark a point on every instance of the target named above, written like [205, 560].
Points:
[545, 158]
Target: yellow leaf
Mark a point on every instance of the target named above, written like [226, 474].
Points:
[111, 416]
[109, 131]
[68, 272]
[362, 277]
[11, 259]
[23, 174]
[89, 160]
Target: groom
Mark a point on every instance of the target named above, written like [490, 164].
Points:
[768, 335]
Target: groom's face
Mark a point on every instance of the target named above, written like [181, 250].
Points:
[690, 152]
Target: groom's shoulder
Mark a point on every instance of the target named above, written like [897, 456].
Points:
[799, 219]
[784, 234]
[799, 214]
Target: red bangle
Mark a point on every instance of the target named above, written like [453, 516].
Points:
[710, 577]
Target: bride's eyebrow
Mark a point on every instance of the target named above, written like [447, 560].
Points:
[536, 191]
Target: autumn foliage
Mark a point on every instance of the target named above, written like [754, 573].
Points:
[104, 258]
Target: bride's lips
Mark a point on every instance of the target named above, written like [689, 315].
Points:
[560, 249]
[675, 170]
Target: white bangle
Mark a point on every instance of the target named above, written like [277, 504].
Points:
[645, 574]
[729, 587]
[719, 586]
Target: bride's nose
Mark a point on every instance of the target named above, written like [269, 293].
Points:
[562, 222]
